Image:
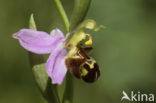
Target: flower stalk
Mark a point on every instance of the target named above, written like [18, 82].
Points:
[78, 15]
[63, 14]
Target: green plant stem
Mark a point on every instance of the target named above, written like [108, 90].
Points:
[78, 15]
[68, 93]
[63, 14]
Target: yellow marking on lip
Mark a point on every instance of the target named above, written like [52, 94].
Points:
[84, 71]
[92, 64]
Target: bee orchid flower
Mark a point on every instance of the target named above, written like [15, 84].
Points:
[65, 52]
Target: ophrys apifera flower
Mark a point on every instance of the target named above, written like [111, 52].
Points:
[66, 52]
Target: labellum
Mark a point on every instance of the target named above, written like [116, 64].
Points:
[84, 67]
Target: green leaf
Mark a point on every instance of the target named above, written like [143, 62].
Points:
[79, 13]
[47, 89]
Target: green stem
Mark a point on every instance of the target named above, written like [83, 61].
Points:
[63, 14]
[78, 15]
[68, 93]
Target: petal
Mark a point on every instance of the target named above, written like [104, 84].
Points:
[37, 41]
[55, 65]
[57, 32]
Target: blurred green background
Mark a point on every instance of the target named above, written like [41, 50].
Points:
[125, 51]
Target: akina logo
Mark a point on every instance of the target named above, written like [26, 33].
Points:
[137, 96]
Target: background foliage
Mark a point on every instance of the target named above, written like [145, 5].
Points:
[125, 51]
